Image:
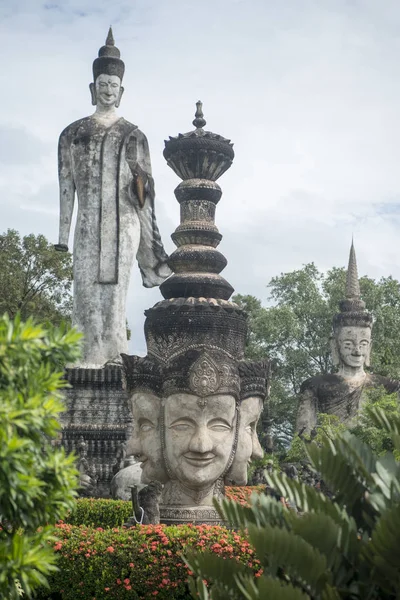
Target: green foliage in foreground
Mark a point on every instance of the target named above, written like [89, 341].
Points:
[37, 481]
[344, 548]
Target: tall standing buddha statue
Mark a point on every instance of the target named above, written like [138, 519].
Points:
[105, 160]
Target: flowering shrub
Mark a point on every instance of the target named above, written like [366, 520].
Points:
[140, 562]
[95, 512]
[242, 494]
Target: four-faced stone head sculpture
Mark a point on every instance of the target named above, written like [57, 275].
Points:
[200, 416]
[253, 387]
[143, 381]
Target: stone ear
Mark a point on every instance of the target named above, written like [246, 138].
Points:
[334, 351]
[121, 91]
[92, 89]
[368, 357]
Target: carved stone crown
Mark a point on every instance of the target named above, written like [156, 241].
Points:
[173, 327]
[142, 373]
[108, 61]
[352, 308]
[202, 373]
[253, 378]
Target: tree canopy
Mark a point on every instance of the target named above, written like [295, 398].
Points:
[35, 279]
[295, 330]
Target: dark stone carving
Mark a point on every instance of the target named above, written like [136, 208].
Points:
[149, 500]
[193, 514]
[97, 409]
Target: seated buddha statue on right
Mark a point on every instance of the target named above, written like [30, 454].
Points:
[343, 393]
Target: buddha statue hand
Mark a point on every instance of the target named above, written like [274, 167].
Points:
[61, 247]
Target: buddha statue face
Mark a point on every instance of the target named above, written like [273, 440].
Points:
[353, 347]
[145, 442]
[199, 435]
[248, 447]
[106, 91]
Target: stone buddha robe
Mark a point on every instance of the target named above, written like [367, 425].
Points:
[335, 395]
[112, 229]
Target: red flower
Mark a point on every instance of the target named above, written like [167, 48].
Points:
[110, 549]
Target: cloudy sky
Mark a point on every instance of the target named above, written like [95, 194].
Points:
[308, 91]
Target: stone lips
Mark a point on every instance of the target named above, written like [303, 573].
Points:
[175, 326]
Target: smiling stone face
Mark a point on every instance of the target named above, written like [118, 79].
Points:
[354, 345]
[248, 447]
[108, 89]
[199, 435]
[145, 442]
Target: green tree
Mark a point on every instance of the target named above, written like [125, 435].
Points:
[346, 547]
[37, 480]
[35, 279]
[295, 330]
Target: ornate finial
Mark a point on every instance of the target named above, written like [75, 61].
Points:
[352, 283]
[199, 121]
[110, 38]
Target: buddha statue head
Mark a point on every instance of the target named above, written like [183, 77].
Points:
[351, 341]
[253, 389]
[143, 381]
[108, 71]
[200, 416]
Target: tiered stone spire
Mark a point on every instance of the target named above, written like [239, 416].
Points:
[352, 308]
[198, 157]
[352, 283]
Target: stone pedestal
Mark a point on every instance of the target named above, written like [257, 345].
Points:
[198, 515]
[97, 410]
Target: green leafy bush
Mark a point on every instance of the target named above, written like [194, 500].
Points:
[95, 512]
[347, 547]
[37, 481]
[140, 562]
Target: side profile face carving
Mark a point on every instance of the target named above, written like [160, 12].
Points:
[248, 447]
[145, 442]
[199, 435]
[106, 91]
[353, 346]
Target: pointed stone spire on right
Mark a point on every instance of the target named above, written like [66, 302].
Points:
[110, 38]
[352, 283]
